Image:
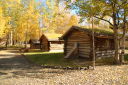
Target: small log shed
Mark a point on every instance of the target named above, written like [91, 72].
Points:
[78, 43]
[34, 44]
[46, 42]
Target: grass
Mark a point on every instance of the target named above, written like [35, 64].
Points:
[105, 61]
[57, 59]
[16, 46]
[13, 46]
[2, 46]
[54, 59]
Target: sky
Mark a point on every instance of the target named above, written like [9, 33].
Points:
[73, 12]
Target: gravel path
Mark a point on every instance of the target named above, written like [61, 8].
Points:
[15, 70]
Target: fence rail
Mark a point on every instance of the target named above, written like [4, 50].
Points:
[108, 53]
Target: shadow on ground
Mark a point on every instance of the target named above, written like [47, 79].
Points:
[14, 65]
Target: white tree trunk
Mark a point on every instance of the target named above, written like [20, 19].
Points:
[11, 38]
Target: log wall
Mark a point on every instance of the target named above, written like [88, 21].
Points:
[104, 44]
[34, 46]
[45, 45]
[83, 41]
[104, 47]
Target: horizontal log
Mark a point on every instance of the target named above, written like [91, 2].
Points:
[105, 52]
[104, 56]
[80, 47]
[76, 40]
[85, 56]
[84, 45]
[83, 50]
[80, 42]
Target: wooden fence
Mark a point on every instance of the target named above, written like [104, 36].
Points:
[107, 53]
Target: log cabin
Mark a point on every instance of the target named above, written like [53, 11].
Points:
[34, 44]
[78, 42]
[47, 43]
[44, 44]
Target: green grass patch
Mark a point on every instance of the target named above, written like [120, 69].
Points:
[15, 46]
[2, 46]
[55, 59]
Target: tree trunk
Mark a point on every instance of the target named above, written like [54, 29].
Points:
[7, 41]
[93, 43]
[26, 40]
[11, 38]
[115, 29]
[123, 50]
[117, 59]
[123, 39]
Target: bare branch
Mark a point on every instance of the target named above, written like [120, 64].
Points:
[104, 20]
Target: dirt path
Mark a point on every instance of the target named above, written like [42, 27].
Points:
[15, 70]
[11, 59]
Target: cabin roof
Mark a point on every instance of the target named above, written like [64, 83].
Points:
[101, 33]
[35, 41]
[52, 37]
